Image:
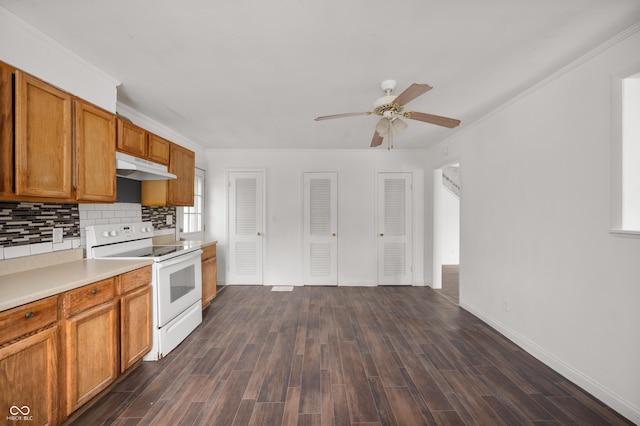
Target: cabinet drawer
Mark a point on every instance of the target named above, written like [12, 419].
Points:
[134, 279]
[88, 296]
[28, 318]
[208, 252]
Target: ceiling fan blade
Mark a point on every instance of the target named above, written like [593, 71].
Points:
[377, 140]
[433, 119]
[348, 114]
[411, 92]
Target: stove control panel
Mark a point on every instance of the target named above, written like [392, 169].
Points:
[98, 235]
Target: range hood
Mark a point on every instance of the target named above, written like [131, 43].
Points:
[130, 167]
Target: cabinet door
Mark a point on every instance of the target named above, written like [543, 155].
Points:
[131, 139]
[91, 353]
[182, 163]
[6, 130]
[135, 326]
[29, 379]
[208, 281]
[43, 140]
[95, 132]
[158, 149]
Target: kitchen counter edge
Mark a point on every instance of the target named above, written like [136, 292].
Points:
[28, 286]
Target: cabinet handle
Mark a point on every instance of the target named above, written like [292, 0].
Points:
[94, 291]
[29, 314]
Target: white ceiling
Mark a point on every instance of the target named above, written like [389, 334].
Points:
[255, 73]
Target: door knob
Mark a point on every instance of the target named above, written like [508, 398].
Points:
[381, 234]
[258, 234]
[333, 235]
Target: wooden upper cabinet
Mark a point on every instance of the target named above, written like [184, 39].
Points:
[95, 131]
[183, 164]
[131, 139]
[158, 149]
[175, 192]
[6, 130]
[43, 139]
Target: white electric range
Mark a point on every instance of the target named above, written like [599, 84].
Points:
[176, 278]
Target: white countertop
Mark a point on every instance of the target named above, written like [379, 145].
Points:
[24, 287]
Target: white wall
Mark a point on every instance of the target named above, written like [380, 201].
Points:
[283, 198]
[535, 216]
[26, 48]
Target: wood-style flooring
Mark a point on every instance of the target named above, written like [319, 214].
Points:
[345, 356]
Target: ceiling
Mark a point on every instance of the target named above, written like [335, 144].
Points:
[253, 74]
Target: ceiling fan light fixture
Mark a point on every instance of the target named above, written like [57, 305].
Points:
[383, 127]
[399, 126]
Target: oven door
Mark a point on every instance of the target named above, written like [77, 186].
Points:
[179, 285]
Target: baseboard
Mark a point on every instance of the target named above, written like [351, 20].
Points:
[617, 403]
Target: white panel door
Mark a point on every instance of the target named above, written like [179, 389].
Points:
[246, 219]
[394, 215]
[320, 228]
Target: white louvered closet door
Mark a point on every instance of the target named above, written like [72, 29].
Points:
[395, 252]
[320, 228]
[246, 219]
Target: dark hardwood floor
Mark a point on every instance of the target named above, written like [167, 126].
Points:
[345, 356]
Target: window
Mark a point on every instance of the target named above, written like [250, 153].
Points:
[191, 219]
[631, 153]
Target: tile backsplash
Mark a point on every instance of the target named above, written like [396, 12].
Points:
[158, 216]
[27, 228]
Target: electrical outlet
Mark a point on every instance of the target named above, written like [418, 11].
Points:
[169, 220]
[57, 235]
[505, 305]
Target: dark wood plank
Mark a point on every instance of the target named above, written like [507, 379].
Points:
[310, 395]
[267, 413]
[361, 404]
[385, 411]
[290, 415]
[278, 369]
[223, 409]
[404, 407]
[345, 356]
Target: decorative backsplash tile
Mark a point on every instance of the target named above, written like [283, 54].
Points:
[158, 216]
[27, 228]
[24, 223]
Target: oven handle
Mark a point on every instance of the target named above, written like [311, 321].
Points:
[180, 259]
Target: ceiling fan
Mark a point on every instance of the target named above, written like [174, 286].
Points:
[391, 108]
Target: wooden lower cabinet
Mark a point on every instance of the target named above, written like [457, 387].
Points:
[209, 272]
[135, 316]
[91, 353]
[58, 353]
[29, 379]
